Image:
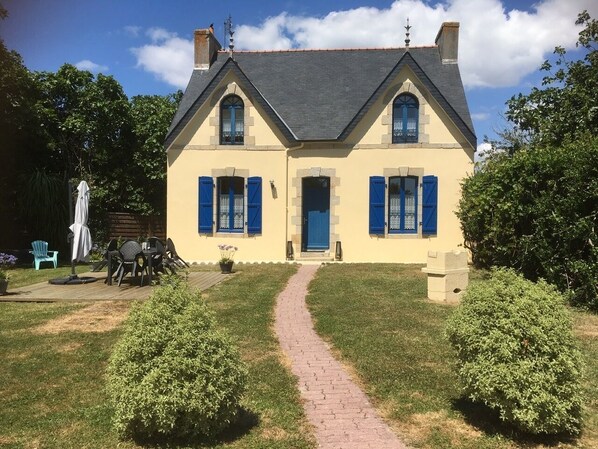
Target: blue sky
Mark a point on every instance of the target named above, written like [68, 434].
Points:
[146, 44]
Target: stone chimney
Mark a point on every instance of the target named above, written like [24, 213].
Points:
[447, 41]
[206, 48]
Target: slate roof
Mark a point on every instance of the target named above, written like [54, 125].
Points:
[320, 95]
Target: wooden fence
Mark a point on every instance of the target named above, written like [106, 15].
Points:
[123, 224]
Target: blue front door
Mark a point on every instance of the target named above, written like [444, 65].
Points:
[316, 214]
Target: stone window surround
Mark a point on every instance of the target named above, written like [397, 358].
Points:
[404, 171]
[248, 121]
[423, 118]
[297, 204]
[228, 172]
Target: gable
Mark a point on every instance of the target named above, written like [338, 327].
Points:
[203, 126]
[375, 126]
[323, 95]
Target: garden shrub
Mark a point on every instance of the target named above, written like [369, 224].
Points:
[173, 373]
[516, 353]
[537, 212]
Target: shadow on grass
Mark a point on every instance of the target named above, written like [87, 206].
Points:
[488, 421]
[246, 420]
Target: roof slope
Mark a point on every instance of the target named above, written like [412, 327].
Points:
[322, 94]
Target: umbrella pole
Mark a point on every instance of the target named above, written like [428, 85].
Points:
[71, 235]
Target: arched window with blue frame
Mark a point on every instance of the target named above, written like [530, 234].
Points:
[405, 115]
[232, 121]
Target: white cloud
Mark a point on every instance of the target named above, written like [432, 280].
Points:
[132, 30]
[480, 116]
[169, 57]
[86, 64]
[482, 152]
[497, 48]
[159, 34]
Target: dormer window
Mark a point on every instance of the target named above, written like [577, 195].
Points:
[231, 121]
[405, 114]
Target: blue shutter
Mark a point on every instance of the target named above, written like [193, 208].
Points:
[254, 205]
[206, 204]
[430, 205]
[377, 194]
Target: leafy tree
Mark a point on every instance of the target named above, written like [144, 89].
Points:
[151, 116]
[20, 143]
[72, 125]
[534, 207]
[86, 121]
[566, 106]
[537, 211]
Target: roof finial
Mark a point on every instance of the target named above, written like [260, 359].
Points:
[407, 40]
[228, 30]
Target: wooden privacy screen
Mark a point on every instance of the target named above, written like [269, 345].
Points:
[127, 225]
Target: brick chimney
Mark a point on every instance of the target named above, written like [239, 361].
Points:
[206, 48]
[447, 41]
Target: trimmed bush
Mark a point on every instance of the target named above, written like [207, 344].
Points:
[517, 354]
[174, 373]
[537, 212]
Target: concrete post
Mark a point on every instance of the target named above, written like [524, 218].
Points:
[448, 275]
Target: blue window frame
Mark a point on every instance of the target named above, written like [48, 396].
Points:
[402, 204]
[232, 121]
[405, 115]
[231, 204]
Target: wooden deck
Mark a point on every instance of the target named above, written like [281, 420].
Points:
[99, 291]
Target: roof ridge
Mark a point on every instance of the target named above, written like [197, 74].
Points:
[306, 50]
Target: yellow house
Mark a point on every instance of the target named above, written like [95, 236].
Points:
[352, 154]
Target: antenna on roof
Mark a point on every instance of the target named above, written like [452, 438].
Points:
[228, 34]
[407, 40]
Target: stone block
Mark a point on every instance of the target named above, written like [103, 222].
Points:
[448, 275]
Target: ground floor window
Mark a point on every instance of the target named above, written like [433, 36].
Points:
[394, 207]
[402, 204]
[231, 204]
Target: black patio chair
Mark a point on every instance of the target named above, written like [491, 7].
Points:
[161, 261]
[171, 250]
[132, 260]
[112, 246]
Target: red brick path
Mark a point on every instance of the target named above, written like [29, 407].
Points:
[340, 412]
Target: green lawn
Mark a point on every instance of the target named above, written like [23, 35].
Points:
[21, 276]
[381, 324]
[377, 316]
[52, 385]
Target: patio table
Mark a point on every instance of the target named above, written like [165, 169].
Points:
[148, 253]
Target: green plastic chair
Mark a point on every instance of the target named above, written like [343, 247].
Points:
[41, 254]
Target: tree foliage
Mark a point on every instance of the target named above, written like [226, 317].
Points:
[70, 125]
[151, 116]
[566, 107]
[537, 211]
[535, 207]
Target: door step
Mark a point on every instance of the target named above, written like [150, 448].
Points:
[315, 256]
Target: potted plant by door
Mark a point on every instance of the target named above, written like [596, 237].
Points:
[6, 261]
[227, 253]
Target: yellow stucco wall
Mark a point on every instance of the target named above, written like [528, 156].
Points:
[352, 169]
[185, 167]
[368, 151]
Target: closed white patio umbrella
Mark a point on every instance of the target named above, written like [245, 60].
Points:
[81, 235]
